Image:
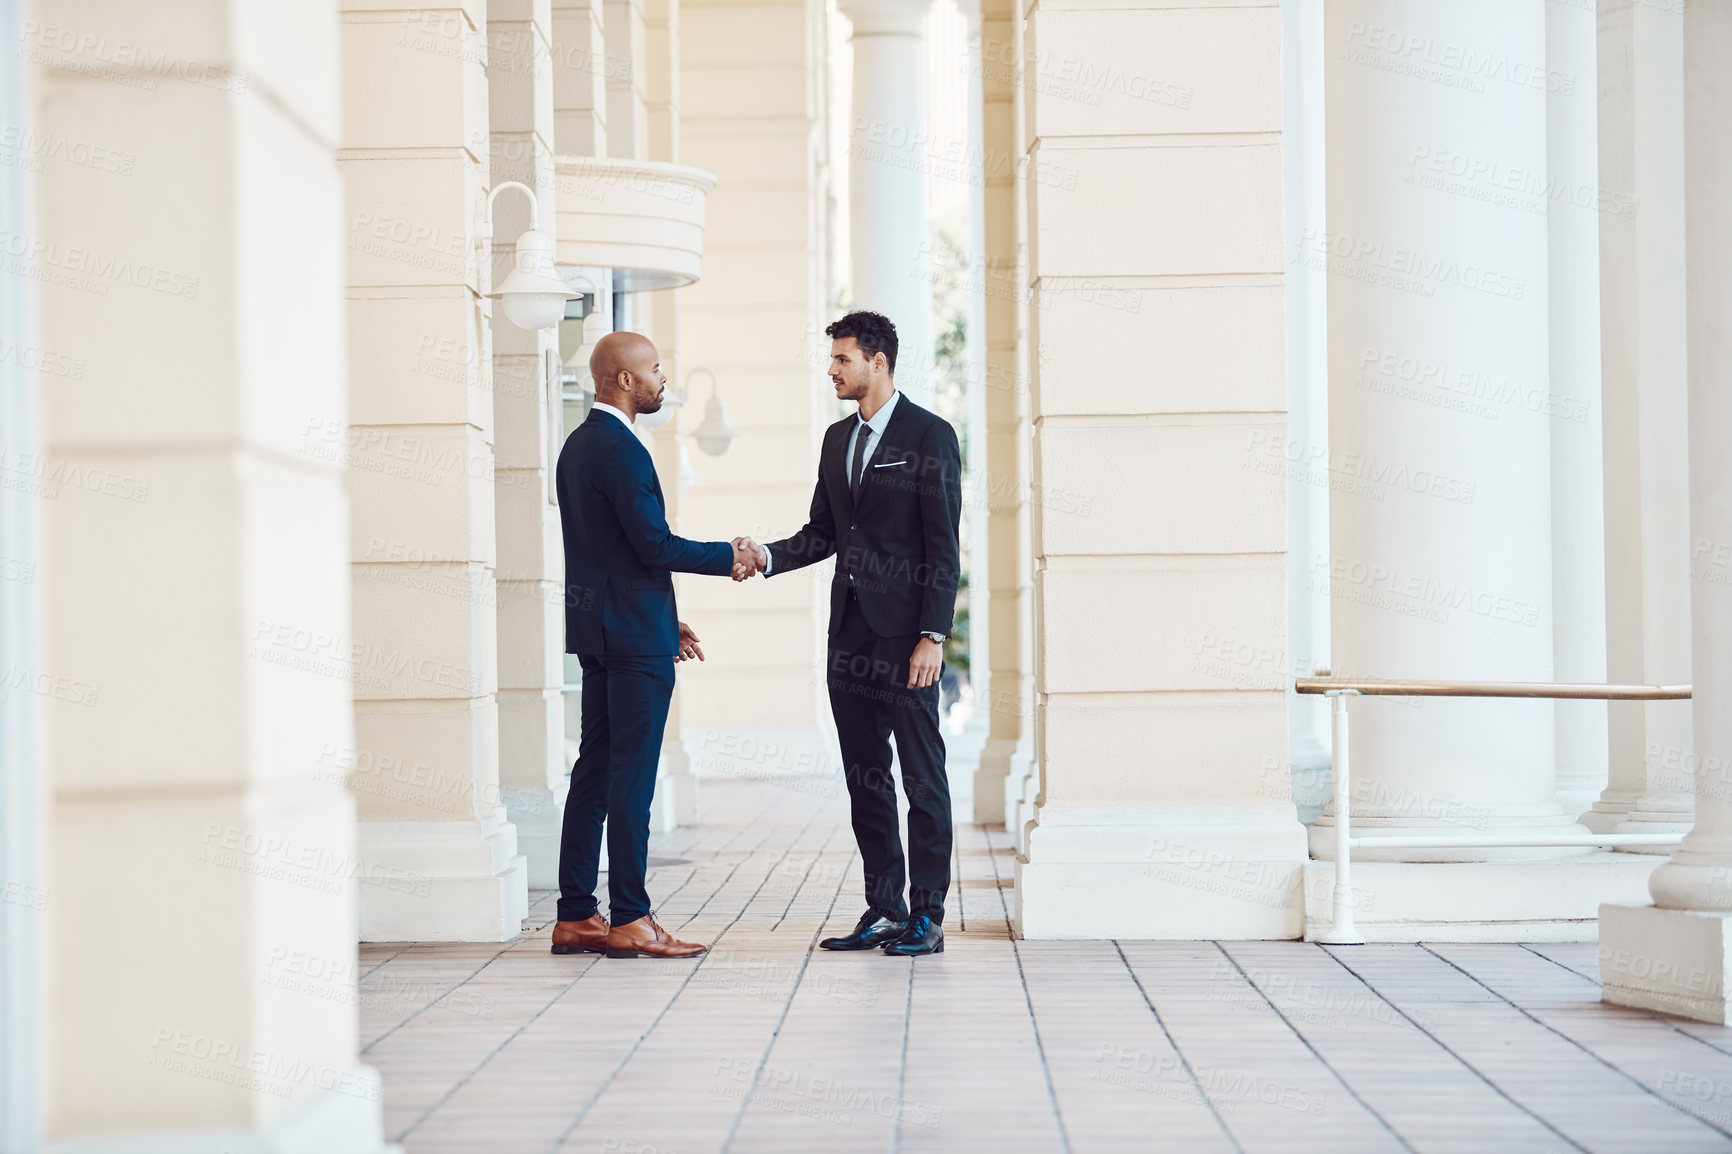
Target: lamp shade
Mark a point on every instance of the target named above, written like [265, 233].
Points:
[715, 434]
[533, 296]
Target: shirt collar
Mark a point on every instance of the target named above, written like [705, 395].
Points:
[607, 408]
[882, 416]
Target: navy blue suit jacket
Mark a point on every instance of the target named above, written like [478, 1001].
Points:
[619, 553]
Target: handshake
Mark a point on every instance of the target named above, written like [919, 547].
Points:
[750, 558]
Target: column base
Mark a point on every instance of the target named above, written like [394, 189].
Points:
[1674, 961]
[1640, 820]
[1604, 817]
[680, 786]
[342, 1121]
[1021, 788]
[1505, 901]
[441, 881]
[539, 817]
[1001, 760]
[1178, 874]
[1322, 840]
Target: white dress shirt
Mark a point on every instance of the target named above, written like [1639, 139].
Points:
[874, 430]
[619, 414]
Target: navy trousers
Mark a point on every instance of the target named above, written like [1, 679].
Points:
[625, 706]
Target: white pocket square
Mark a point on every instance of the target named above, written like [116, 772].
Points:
[889, 464]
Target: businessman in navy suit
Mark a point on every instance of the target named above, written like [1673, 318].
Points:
[621, 621]
[887, 506]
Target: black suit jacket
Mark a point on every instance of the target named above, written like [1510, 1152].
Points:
[898, 543]
[620, 555]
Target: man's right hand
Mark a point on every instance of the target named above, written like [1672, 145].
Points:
[750, 558]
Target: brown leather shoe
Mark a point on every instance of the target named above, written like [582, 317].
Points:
[644, 939]
[585, 937]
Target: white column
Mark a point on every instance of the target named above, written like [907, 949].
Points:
[755, 320]
[23, 923]
[1003, 575]
[1440, 519]
[889, 240]
[531, 621]
[676, 796]
[420, 448]
[1642, 336]
[1674, 954]
[1155, 241]
[580, 67]
[968, 746]
[1578, 507]
[1307, 403]
[194, 679]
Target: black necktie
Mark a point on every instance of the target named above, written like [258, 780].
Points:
[859, 469]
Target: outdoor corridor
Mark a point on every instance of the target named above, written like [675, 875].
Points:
[769, 1044]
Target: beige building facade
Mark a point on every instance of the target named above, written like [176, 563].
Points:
[1254, 382]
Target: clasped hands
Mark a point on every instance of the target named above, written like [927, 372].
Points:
[750, 558]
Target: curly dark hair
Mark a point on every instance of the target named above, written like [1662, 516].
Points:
[874, 332]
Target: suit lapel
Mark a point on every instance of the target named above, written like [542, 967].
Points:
[886, 444]
[838, 466]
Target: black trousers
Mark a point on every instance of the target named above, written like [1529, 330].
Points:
[625, 706]
[868, 678]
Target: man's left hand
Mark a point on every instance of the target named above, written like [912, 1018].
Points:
[925, 664]
[688, 645]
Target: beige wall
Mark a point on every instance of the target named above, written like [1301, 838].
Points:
[751, 320]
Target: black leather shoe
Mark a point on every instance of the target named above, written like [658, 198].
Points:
[873, 929]
[924, 936]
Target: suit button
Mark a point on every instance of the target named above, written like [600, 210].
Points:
[856, 526]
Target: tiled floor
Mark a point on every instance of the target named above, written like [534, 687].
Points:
[768, 1044]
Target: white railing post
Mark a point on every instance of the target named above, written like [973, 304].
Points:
[1342, 932]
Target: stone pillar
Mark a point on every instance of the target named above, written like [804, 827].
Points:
[1003, 574]
[755, 321]
[1642, 339]
[1674, 955]
[1440, 521]
[580, 71]
[676, 798]
[1307, 448]
[1160, 592]
[196, 663]
[627, 94]
[1578, 503]
[421, 475]
[531, 623]
[889, 240]
[23, 784]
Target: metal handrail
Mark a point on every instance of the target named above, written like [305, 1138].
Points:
[1342, 931]
[1560, 690]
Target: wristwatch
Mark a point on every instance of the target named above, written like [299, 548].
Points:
[938, 637]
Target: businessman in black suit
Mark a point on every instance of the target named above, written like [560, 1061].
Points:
[621, 621]
[887, 507]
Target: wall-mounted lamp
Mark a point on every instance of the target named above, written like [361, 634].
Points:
[715, 435]
[532, 295]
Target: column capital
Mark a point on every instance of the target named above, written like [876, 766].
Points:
[886, 17]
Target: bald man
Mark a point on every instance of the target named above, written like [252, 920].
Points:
[621, 621]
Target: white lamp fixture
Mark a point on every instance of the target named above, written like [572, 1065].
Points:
[534, 298]
[715, 435]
